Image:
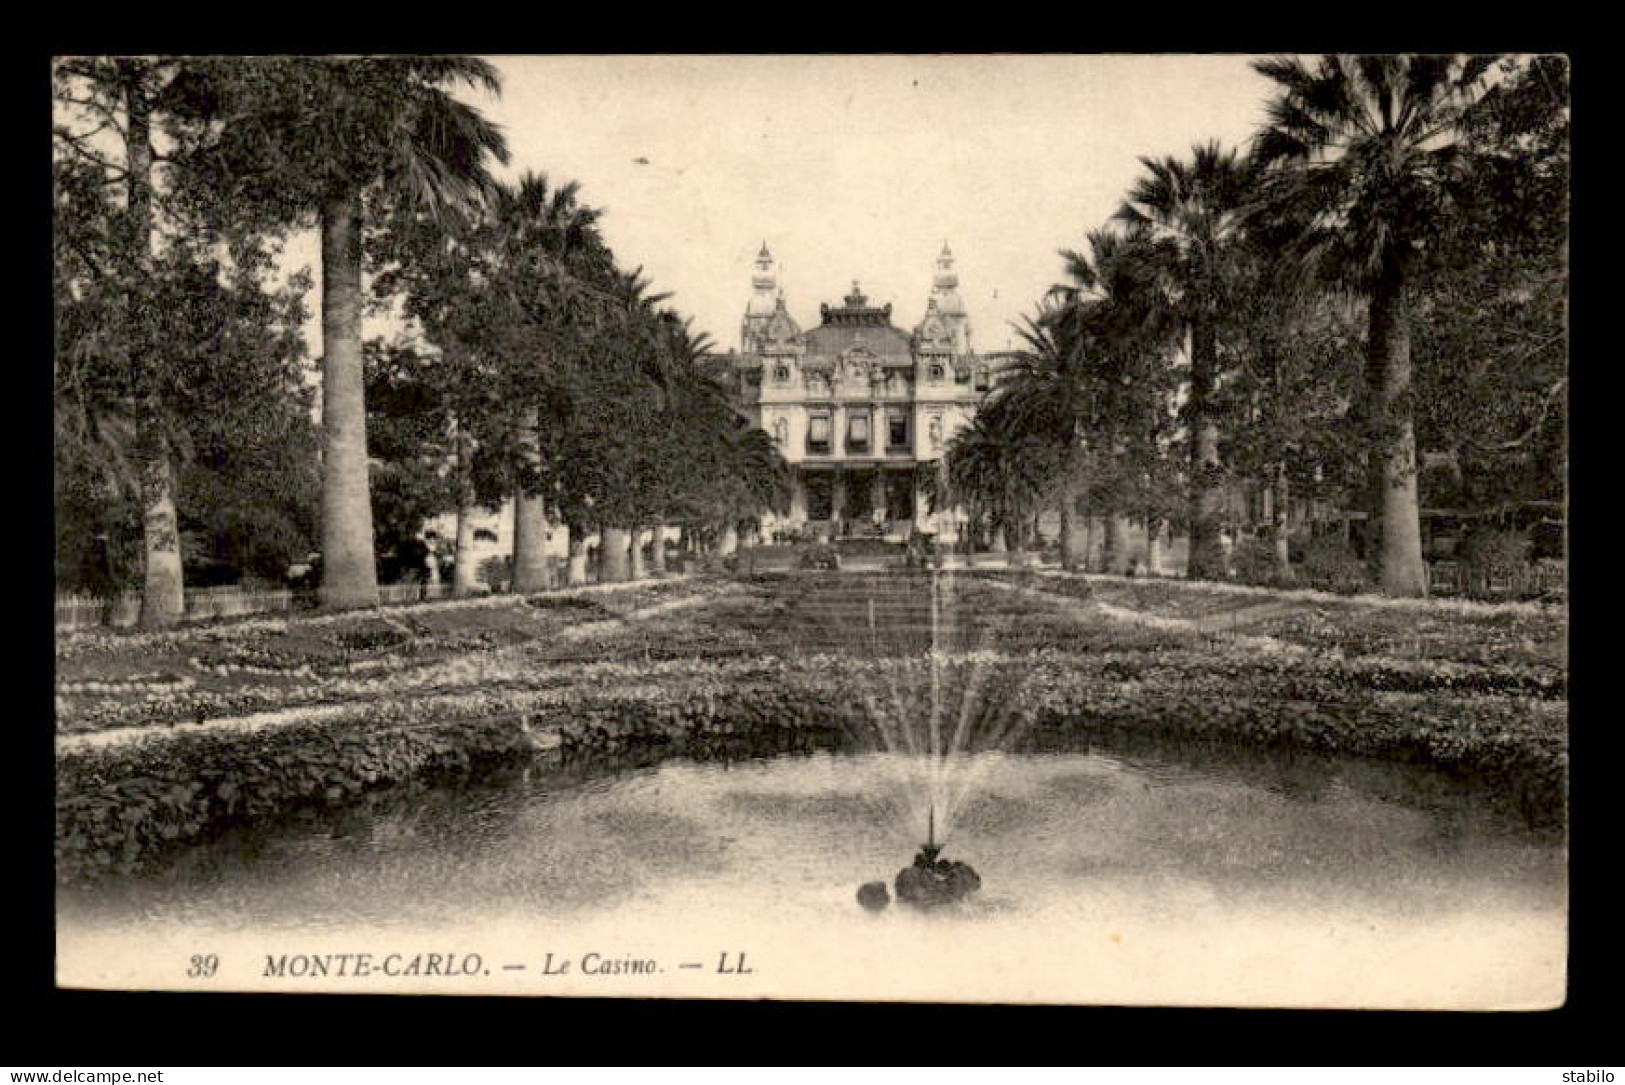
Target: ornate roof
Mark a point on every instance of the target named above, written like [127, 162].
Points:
[857, 323]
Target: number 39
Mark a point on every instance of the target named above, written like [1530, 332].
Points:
[204, 965]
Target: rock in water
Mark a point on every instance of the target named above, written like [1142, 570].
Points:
[873, 895]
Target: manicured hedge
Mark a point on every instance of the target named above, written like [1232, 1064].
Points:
[118, 806]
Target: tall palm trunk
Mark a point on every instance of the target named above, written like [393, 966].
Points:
[1396, 508]
[163, 598]
[1019, 540]
[1206, 559]
[1074, 543]
[1280, 524]
[531, 571]
[530, 564]
[1116, 556]
[636, 563]
[349, 570]
[576, 568]
[657, 551]
[464, 574]
[1153, 545]
[613, 567]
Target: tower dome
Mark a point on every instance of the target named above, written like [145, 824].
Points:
[945, 303]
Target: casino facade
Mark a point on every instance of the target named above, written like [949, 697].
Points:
[861, 409]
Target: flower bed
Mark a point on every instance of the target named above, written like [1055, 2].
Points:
[1492, 634]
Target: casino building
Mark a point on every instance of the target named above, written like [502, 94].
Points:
[861, 409]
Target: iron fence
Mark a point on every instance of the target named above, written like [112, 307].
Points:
[1450, 578]
[77, 611]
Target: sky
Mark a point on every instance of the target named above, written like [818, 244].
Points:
[859, 167]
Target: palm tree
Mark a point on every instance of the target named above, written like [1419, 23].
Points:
[1370, 151]
[1093, 375]
[550, 250]
[322, 135]
[1189, 215]
[1000, 469]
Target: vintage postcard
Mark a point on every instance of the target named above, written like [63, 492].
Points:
[1071, 529]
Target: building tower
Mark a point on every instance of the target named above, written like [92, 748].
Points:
[764, 286]
[946, 303]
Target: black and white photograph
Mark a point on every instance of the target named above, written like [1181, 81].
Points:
[1014, 529]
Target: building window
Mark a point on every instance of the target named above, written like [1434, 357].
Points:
[961, 376]
[896, 430]
[781, 373]
[982, 384]
[857, 433]
[781, 432]
[818, 434]
[936, 431]
[936, 372]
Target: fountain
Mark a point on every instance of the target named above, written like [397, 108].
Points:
[930, 881]
[935, 771]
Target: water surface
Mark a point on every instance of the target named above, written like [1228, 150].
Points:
[1108, 877]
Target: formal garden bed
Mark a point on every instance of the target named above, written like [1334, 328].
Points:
[679, 669]
[1519, 634]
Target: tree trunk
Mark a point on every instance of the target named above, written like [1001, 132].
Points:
[349, 569]
[464, 574]
[613, 567]
[1206, 560]
[163, 597]
[638, 569]
[531, 570]
[1153, 546]
[657, 551]
[1281, 525]
[576, 572]
[1396, 514]
[729, 543]
[1116, 556]
[1015, 538]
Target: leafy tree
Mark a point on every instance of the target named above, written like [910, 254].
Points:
[178, 395]
[1491, 331]
[121, 321]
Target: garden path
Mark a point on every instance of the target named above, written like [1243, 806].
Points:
[1227, 625]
